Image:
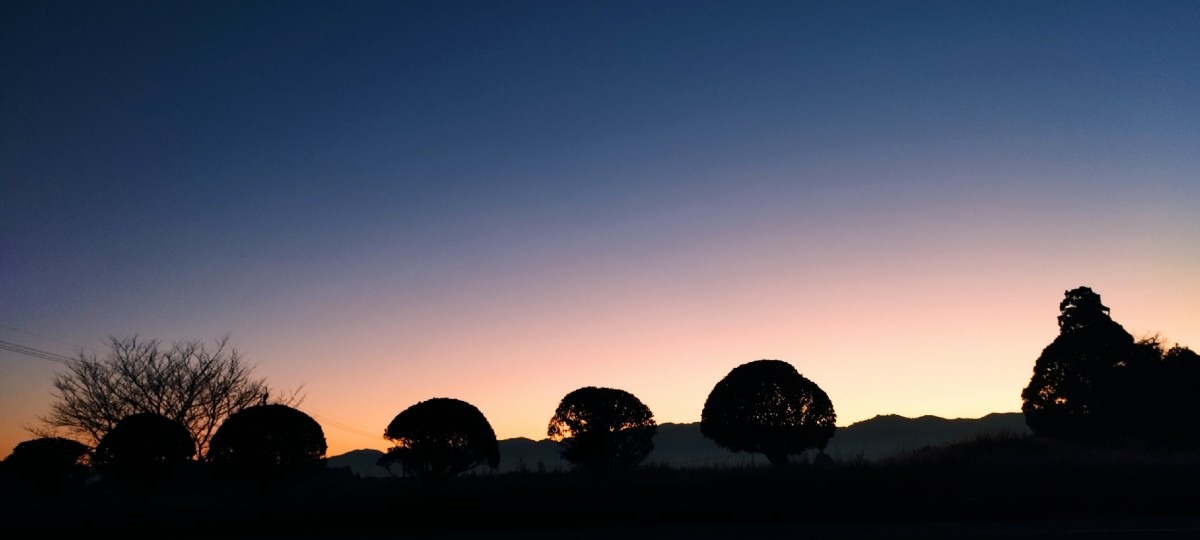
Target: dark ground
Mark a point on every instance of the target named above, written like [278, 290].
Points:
[990, 489]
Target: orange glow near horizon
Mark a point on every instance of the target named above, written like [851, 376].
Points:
[910, 330]
[912, 346]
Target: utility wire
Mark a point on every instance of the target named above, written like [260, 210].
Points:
[36, 353]
[348, 428]
[42, 336]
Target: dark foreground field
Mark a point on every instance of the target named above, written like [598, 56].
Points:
[995, 488]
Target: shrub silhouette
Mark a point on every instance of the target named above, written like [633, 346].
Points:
[1161, 389]
[268, 440]
[603, 430]
[1178, 389]
[439, 438]
[144, 449]
[46, 465]
[767, 407]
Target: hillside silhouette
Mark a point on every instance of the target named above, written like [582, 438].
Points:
[682, 446]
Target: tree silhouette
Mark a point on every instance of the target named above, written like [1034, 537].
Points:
[1181, 373]
[46, 465]
[1166, 398]
[144, 449]
[268, 441]
[439, 438]
[1081, 310]
[1085, 381]
[189, 382]
[768, 407]
[603, 430]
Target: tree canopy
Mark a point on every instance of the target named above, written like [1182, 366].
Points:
[1175, 396]
[1083, 381]
[768, 407]
[144, 447]
[603, 430]
[269, 439]
[1081, 310]
[189, 382]
[48, 452]
[46, 464]
[1096, 382]
[439, 438]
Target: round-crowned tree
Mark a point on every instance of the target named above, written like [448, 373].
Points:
[268, 440]
[144, 448]
[768, 407]
[439, 438]
[46, 464]
[603, 430]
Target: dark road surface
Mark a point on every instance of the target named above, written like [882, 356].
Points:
[1181, 528]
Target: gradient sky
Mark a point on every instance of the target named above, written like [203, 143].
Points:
[501, 202]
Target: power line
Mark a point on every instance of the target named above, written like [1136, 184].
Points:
[346, 427]
[43, 336]
[36, 353]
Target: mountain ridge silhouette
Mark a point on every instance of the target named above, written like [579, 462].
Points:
[681, 445]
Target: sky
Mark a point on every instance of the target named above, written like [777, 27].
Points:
[379, 203]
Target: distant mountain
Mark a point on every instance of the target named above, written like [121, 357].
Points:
[682, 445]
[890, 435]
[530, 455]
[364, 463]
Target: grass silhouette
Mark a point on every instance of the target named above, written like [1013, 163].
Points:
[1004, 478]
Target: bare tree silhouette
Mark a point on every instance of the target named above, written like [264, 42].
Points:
[188, 382]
